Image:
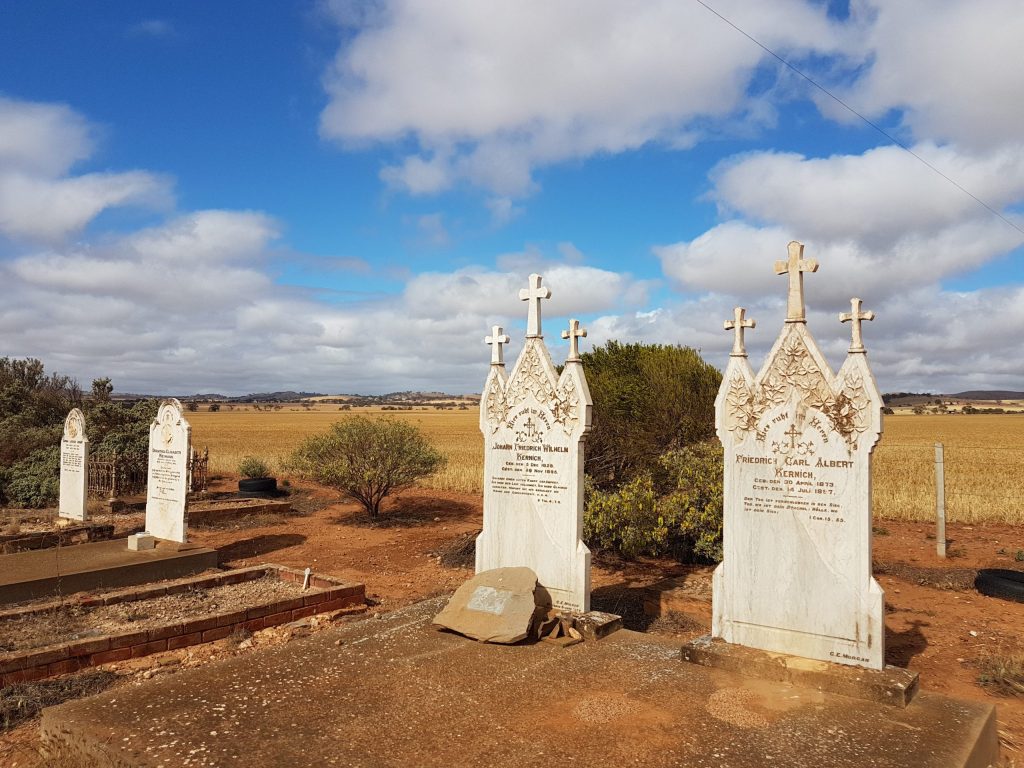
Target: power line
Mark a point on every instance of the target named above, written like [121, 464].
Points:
[850, 109]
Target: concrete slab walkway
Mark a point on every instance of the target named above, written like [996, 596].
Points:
[395, 692]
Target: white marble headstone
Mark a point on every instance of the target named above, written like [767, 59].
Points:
[534, 422]
[74, 468]
[170, 446]
[796, 574]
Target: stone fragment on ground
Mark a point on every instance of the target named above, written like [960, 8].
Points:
[496, 606]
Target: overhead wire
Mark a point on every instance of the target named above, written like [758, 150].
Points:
[853, 111]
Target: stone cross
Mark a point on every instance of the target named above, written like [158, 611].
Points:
[573, 335]
[496, 340]
[737, 324]
[534, 294]
[796, 265]
[854, 317]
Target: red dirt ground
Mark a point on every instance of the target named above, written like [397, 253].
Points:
[936, 623]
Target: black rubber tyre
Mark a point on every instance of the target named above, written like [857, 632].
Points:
[257, 486]
[997, 582]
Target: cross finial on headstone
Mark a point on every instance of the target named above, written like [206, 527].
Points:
[796, 265]
[534, 294]
[496, 340]
[855, 316]
[573, 335]
[737, 324]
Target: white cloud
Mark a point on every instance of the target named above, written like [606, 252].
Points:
[433, 232]
[491, 90]
[39, 143]
[955, 69]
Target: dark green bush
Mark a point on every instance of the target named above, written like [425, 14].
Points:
[35, 480]
[648, 399]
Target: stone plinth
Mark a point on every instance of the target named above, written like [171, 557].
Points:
[626, 700]
[891, 685]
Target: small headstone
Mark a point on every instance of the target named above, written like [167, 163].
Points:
[796, 574]
[495, 606]
[170, 446]
[139, 542]
[534, 422]
[74, 467]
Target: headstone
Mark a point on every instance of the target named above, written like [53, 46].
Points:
[170, 446]
[496, 606]
[796, 574]
[74, 468]
[534, 422]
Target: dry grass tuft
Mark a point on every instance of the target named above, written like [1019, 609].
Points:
[1003, 672]
[23, 701]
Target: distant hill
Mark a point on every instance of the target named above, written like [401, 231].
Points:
[989, 394]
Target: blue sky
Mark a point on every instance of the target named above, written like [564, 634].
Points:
[344, 197]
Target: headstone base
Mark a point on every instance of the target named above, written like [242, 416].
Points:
[893, 685]
[139, 542]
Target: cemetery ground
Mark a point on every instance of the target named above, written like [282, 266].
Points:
[963, 644]
[936, 622]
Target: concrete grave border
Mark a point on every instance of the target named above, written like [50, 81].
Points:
[326, 594]
[76, 534]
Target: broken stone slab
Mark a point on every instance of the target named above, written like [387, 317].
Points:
[594, 625]
[892, 685]
[496, 606]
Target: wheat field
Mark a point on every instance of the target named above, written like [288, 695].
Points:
[273, 435]
[983, 455]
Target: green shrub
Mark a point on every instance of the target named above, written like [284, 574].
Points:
[253, 467]
[367, 459]
[35, 480]
[675, 511]
[625, 520]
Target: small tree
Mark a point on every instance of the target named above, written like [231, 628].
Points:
[367, 459]
[214, 407]
[192, 406]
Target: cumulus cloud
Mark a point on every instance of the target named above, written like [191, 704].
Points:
[955, 70]
[490, 90]
[39, 200]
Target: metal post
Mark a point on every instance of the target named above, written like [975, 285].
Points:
[940, 503]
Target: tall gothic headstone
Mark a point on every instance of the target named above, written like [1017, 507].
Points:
[796, 574]
[74, 467]
[170, 446]
[534, 422]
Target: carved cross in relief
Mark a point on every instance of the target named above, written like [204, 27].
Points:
[854, 316]
[573, 335]
[792, 433]
[496, 340]
[534, 294]
[795, 266]
[737, 324]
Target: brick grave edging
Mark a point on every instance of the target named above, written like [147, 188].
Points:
[325, 594]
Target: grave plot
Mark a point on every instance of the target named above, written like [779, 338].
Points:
[131, 623]
[22, 532]
[213, 513]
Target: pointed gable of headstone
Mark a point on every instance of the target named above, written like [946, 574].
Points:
[796, 573]
[534, 421]
[170, 448]
[74, 468]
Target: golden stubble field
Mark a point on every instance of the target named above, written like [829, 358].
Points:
[984, 455]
